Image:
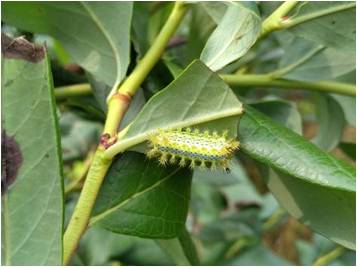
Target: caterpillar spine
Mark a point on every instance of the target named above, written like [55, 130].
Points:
[190, 147]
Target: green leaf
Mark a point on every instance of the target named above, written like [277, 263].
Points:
[331, 120]
[139, 30]
[331, 23]
[86, 107]
[281, 111]
[96, 35]
[32, 184]
[173, 66]
[215, 10]
[320, 207]
[197, 97]
[181, 249]
[141, 198]
[313, 186]
[234, 36]
[201, 27]
[260, 137]
[308, 61]
[100, 91]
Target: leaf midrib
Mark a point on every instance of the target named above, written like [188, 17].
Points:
[102, 215]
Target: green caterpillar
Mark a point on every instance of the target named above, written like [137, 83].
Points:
[192, 148]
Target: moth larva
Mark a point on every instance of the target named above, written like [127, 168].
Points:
[192, 148]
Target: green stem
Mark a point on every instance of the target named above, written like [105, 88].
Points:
[273, 22]
[304, 18]
[266, 80]
[73, 90]
[117, 105]
[237, 246]
[156, 50]
[329, 257]
[276, 22]
[83, 209]
[273, 219]
[142, 69]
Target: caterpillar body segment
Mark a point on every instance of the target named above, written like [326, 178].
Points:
[190, 147]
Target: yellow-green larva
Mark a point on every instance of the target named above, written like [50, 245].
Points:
[192, 148]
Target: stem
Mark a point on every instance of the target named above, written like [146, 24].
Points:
[276, 22]
[273, 22]
[273, 219]
[156, 50]
[73, 90]
[301, 19]
[329, 257]
[83, 209]
[117, 105]
[237, 246]
[266, 80]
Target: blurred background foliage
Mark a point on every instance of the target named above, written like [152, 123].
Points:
[233, 218]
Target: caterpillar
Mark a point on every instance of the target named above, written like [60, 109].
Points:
[190, 147]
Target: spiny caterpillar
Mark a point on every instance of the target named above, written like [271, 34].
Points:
[192, 148]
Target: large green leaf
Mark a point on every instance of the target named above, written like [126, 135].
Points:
[197, 97]
[32, 200]
[308, 61]
[330, 23]
[96, 35]
[141, 198]
[312, 185]
[260, 137]
[234, 36]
